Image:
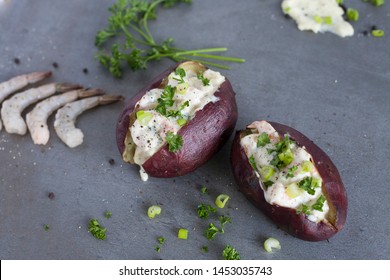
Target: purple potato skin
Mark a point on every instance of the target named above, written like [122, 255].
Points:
[202, 136]
[286, 218]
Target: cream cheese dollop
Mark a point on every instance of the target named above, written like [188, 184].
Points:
[318, 16]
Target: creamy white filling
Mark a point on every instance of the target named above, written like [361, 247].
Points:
[150, 137]
[284, 191]
[318, 16]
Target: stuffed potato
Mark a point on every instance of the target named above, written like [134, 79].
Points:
[177, 122]
[290, 179]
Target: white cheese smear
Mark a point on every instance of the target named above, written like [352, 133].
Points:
[318, 16]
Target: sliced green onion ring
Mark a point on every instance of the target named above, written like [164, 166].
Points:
[221, 200]
[182, 88]
[272, 243]
[153, 211]
[144, 117]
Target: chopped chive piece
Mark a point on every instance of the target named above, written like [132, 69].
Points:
[144, 117]
[153, 211]
[307, 185]
[263, 140]
[378, 33]
[272, 243]
[339, 2]
[328, 20]
[286, 157]
[266, 172]
[307, 166]
[352, 14]
[221, 200]
[182, 234]
[181, 122]
[318, 19]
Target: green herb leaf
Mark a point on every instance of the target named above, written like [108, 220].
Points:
[204, 210]
[319, 203]
[205, 249]
[211, 231]
[205, 81]
[303, 208]
[175, 141]
[290, 173]
[229, 253]
[181, 73]
[161, 240]
[128, 42]
[96, 230]
[252, 162]
[46, 227]
[204, 190]
[306, 184]
[263, 140]
[108, 214]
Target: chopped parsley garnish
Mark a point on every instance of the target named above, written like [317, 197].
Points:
[175, 141]
[205, 81]
[229, 253]
[212, 229]
[252, 162]
[268, 184]
[308, 184]
[204, 190]
[181, 73]
[204, 210]
[96, 230]
[158, 249]
[161, 240]
[128, 42]
[283, 155]
[166, 100]
[108, 214]
[46, 227]
[303, 208]
[263, 140]
[290, 173]
[319, 203]
[205, 249]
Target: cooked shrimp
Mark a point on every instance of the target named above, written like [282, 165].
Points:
[19, 82]
[64, 123]
[11, 86]
[14, 106]
[36, 119]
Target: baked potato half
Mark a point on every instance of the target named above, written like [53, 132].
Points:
[290, 179]
[178, 121]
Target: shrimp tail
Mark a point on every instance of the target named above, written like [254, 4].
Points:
[107, 99]
[90, 92]
[64, 87]
[37, 76]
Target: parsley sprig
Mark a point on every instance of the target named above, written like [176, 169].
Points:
[135, 46]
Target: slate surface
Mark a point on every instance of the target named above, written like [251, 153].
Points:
[334, 90]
